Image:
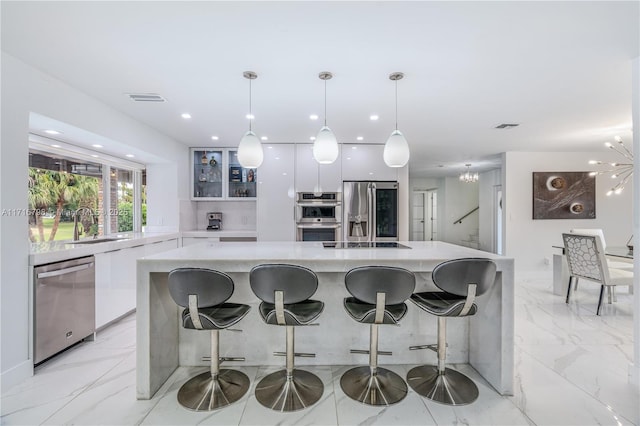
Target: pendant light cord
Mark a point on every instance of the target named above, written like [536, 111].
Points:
[250, 114]
[396, 105]
[325, 103]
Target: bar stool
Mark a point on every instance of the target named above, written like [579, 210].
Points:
[460, 280]
[285, 291]
[203, 293]
[379, 293]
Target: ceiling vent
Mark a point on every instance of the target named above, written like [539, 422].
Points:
[506, 126]
[146, 97]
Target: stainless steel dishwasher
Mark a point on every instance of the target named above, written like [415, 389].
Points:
[65, 305]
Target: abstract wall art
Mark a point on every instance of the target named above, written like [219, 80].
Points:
[564, 195]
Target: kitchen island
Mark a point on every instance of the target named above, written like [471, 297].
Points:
[485, 340]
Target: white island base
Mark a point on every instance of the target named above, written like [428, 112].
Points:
[485, 340]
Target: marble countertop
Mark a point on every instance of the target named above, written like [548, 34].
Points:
[241, 256]
[55, 251]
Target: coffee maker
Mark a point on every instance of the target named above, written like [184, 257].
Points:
[215, 221]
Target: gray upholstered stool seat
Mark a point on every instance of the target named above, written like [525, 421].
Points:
[204, 294]
[441, 304]
[460, 280]
[218, 317]
[301, 313]
[285, 291]
[366, 312]
[379, 293]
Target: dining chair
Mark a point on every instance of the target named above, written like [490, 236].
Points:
[585, 257]
[600, 233]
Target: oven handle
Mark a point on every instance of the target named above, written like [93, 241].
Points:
[317, 225]
[318, 204]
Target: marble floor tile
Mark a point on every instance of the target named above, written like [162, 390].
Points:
[322, 412]
[410, 411]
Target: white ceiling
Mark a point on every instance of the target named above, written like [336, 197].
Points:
[559, 69]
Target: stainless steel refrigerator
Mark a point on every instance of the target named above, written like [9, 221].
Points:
[370, 211]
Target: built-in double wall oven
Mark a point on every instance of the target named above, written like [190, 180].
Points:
[318, 216]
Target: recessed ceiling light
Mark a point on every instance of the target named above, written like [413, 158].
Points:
[359, 138]
[130, 155]
[250, 116]
[96, 145]
[348, 158]
[354, 147]
[370, 173]
[284, 173]
[186, 116]
[56, 146]
[94, 155]
[373, 117]
[215, 138]
[313, 138]
[52, 132]
[277, 158]
[264, 138]
[313, 116]
[270, 147]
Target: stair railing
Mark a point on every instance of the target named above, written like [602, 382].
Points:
[463, 217]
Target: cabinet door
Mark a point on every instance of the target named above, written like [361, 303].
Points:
[276, 194]
[366, 162]
[242, 181]
[207, 174]
[309, 173]
[190, 241]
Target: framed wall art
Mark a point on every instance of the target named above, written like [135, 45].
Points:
[564, 195]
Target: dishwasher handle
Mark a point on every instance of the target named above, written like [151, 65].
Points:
[65, 271]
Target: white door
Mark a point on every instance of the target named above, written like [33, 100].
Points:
[497, 221]
[418, 223]
[431, 198]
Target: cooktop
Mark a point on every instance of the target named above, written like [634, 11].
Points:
[363, 244]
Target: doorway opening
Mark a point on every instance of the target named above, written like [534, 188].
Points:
[424, 226]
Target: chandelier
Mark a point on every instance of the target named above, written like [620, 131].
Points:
[467, 176]
[621, 172]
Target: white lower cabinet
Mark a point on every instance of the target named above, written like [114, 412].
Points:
[190, 241]
[116, 279]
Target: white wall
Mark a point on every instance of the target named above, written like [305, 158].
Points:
[634, 370]
[26, 90]
[529, 241]
[487, 183]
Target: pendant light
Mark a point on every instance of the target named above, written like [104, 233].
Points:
[325, 147]
[396, 150]
[250, 153]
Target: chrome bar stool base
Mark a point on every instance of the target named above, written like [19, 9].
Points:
[204, 393]
[451, 388]
[281, 393]
[384, 387]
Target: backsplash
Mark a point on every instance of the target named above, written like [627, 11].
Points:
[236, 215]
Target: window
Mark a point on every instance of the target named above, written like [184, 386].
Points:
[68, 193]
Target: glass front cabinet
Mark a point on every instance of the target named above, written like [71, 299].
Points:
[216, 174]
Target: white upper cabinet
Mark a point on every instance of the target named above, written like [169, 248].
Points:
[365, 162]
[307, 168]
[276, 194]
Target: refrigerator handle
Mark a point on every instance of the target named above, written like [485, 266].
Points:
[372, 212]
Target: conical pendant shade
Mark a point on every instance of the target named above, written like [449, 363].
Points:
[250, 154]
[396, 150]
